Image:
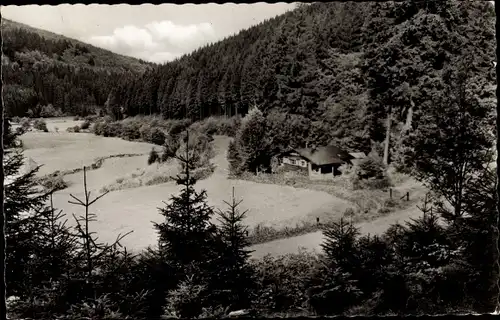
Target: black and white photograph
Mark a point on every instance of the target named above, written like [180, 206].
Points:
[228, 160]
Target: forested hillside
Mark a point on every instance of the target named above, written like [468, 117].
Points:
[336, 69]
[53, 75]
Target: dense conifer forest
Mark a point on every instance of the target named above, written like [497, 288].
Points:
[40, 68]
[337, 69]
[417, 75]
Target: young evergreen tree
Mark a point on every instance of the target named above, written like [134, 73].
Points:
[340, 244]
[49, 268]
[252, 142]
[335, 281]
[92, 257]
[153, 157]
[23, 205]
[235, 275]
[186, 234]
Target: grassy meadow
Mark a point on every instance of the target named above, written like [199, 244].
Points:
[132, 203]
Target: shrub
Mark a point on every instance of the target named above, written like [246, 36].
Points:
[158, 179]
[170, 148]
[153, 157]
[16, 119]
[76, 129]
[130, 130]
[282, 281]
[85, 125]
[203, 173]
[112, 129]
[157, 136]
[70, 129]
[200, 149]
[41, 125]
[179, 126]
[91, 118]
[25, 123]
[186, 301]
[145, 132]
[370, 173]
[97, 128]
[49, 111]
[53, 182]
[76, 118]
[371, 167]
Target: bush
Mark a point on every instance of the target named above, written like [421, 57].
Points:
[41, 125]
[282, 281]
[53, 182]
[16, 119]
[76, 118]
[371, 167]
[112, 129]
[145, 132]
[200, 149]
[217, 125]
[49, 111]
[25, 124]
[97, 127]
[76, 129]
[130, 130]
[186, 301]
[179, 126]
[92, 118]
[157, 136]
[153, 157]
[85, 125]
[370, 173]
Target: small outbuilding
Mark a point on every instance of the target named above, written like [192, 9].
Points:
[320, 162]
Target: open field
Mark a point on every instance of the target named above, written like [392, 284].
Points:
[65, 151]
[135, 208]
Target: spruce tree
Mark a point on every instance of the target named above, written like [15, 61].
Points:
[235, 276]
[335, 280]
[186, 235]
[49, 268]
[92, 258]
[340, 244]
[23, 205]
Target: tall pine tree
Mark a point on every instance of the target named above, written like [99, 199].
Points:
[186, 234]
[234, 275]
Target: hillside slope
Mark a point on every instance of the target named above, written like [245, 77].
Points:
[338, 65]
[42, 68]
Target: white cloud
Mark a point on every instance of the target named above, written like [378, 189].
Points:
[187, 37]
[158, 41]
[158, 57]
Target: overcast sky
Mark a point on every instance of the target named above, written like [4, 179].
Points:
[156, 33]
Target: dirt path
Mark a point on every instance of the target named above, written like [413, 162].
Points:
[312, 241]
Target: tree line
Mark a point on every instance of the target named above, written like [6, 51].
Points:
[359, 73]
[72, 77]
[347, 67]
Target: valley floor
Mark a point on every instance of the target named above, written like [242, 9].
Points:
[135, 208]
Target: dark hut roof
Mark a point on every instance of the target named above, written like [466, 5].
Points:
[325, 155]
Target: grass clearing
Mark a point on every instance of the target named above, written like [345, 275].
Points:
[278, 210]
[367, 204]
[66, 151]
